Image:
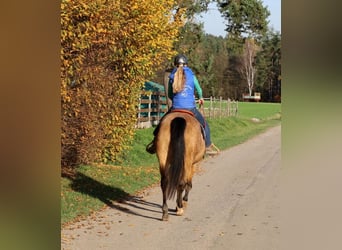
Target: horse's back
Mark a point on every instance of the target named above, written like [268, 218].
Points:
[194, 141]
[193, 128]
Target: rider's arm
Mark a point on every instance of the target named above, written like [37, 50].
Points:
[198, 88]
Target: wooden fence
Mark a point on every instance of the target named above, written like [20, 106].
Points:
[219, 107]
[153, 105]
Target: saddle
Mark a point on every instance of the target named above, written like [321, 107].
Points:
[182, 111]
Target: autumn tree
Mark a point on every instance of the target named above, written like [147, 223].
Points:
[108, 50]
[189, 38]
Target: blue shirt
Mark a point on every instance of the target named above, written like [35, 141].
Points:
[185, 99]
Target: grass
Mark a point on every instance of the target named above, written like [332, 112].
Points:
[91, 188]
[259, 110]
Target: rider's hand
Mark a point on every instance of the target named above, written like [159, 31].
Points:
[201, 101]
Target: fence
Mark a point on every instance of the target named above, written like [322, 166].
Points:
[218, 107]
[153, 105]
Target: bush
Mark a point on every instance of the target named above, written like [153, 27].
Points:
[109, 49]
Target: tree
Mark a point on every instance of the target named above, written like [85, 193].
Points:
[212, 63]
[189, 37]
[246, 22]
[248, 67]
[245, 17]
[108, 50]
[269, 66]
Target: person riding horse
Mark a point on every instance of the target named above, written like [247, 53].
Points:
[181, 90]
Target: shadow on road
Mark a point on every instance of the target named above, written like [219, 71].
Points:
[87, 185]
[114, 197]
[136, 206]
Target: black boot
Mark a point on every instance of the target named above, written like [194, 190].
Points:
[151, 147]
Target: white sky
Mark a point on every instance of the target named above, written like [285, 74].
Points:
[215, 24]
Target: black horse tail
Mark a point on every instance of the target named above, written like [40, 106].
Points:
[175, 173]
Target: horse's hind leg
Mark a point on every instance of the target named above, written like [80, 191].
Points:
[188, 187]
[179, 208]
[165, 209]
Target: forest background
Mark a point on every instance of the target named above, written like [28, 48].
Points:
[110, 48]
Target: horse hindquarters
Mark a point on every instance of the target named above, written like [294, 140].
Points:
[170, 153]
[180, 145]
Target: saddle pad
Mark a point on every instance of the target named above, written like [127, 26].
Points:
[183, 111]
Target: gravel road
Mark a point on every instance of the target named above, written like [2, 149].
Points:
[234, 204]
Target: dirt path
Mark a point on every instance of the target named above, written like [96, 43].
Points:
[234, 204]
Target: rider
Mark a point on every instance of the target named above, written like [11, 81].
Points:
[182, 85]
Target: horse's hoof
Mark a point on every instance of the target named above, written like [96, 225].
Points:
[179, 211]
[185, 204]
[165, 217]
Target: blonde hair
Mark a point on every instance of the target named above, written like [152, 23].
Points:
[179, 80]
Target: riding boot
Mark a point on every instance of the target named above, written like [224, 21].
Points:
[151, 147]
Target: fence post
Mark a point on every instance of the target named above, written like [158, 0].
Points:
[149, 107]
[220, 107]
[139, 109]
[158, 107]
[227, 110]
[214, 104]
[236, 107]
[215, 107]
[211, 107]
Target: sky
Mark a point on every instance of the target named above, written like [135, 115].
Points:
[214, 24]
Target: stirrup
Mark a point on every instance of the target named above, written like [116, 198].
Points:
[212, 150]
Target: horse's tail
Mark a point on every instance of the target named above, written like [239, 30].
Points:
[176, 171]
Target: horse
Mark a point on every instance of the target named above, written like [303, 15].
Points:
[180, 147]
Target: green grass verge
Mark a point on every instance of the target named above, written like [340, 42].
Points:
[94, 187]
[260, 110]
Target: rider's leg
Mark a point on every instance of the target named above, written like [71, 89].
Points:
[151, 147]
[204, 123]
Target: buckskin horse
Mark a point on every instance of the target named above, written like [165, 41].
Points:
[180, 147]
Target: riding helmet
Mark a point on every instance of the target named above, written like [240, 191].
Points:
[180, 59]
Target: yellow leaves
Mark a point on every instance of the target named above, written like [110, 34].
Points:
[109, 50]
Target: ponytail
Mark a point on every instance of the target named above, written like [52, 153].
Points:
[179, 80]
